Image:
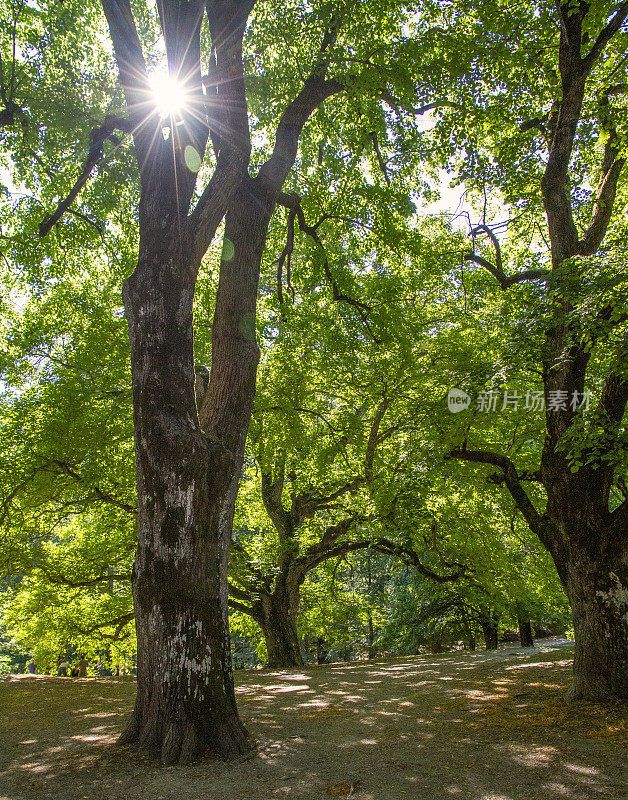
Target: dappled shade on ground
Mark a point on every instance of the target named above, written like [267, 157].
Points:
[483, 726]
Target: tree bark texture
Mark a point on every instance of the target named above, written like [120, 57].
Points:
[598, 595]
[185, 702]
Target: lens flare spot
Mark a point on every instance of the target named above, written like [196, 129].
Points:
[192, 158]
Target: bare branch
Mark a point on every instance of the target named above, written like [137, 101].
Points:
[499, 266]
[286, 258]
[292, 201]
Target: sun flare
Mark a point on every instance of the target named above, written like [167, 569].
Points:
[169, 95]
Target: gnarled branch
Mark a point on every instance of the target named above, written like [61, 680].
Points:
[411, 558]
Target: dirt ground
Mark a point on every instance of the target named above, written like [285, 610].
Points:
[465, 726]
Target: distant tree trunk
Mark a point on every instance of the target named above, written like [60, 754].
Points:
[525, 632]
[322, 653]
[489, 625]
[371, 638]
[278, 621]
[472, 644]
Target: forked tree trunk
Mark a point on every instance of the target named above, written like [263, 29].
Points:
[279, 626]
[525, 633]
[185, 702]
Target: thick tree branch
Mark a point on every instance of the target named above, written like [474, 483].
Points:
[610, 172]
[411, 558]
[563, 123]
[227, 116]
[241, 594]
[241, 607]
[374, 438]
[315, 90]
[606, 34]
[271, 490]
[618, 521]
[614, 399]
[132, 71]
[511, 479]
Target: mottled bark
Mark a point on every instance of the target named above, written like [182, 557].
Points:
[185, 702]
[598, 593]
[186, 472]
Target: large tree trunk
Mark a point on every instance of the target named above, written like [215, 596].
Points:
[279, 626]
[598, 594]
[589, 546]
[185, 701]
[187, 479]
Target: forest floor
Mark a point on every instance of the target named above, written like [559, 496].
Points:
[465, 726]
